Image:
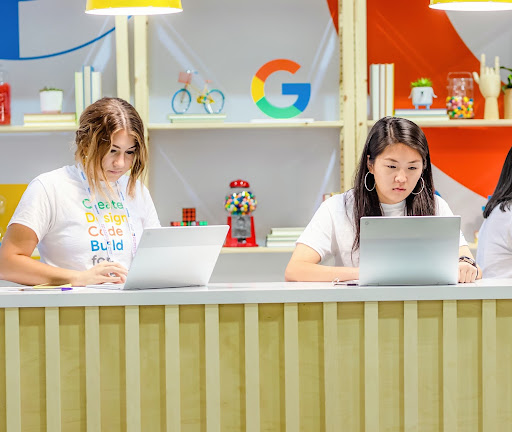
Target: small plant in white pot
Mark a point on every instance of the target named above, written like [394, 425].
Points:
[422, 93]
[51, 100]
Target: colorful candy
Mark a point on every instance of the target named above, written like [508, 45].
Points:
[240, 203]
[460, 107]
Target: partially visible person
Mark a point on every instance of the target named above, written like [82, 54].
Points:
[393, 178]
[494, 252]
[86, 219]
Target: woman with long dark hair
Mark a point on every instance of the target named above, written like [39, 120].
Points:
[393, 178]
[494, 252]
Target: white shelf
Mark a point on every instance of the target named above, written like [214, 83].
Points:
[458, 123]
[247, 125]
[262, 249]
[29, 129]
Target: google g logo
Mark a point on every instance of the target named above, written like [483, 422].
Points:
[302, 90]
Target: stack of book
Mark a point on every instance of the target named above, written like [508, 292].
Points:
[49, 120]
[87, 88]
[423, 115]
[284, 237]
[382, 90]
[196, 118]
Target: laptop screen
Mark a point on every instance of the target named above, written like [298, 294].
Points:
[409, 250]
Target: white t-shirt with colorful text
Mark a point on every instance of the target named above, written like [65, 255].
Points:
[59, 210]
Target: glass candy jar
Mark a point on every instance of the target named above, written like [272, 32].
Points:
[459, 102]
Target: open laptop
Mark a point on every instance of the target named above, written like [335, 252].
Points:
[409, 250]
[170, 257]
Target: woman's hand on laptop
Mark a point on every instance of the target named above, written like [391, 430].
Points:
[467, 272]
[104, 272]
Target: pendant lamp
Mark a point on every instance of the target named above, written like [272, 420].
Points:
[133, 7]
[471, 5]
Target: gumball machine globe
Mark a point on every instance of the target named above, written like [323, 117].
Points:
[240, 202]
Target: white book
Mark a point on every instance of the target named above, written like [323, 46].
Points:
[374, 91]
[79, 94]
[382, 91]
[87, 80]
[390, 89]
[96, 89]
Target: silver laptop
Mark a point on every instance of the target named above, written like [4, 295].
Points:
[170, 257]
[409, 250]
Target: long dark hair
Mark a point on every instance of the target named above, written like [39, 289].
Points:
[388, 131]
[503, 193]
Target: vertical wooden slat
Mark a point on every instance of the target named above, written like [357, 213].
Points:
[252, 369]
[449, 365]
[140, 53]
[122, 56]
[348, 86]
[489, 411]
[371, 366]
[331, 361]
[132, 343]
[12, 370]
[291, 367]
[212, 360]
[92, 368]
[361, 76]
[52, 344]
[172, 368]
[411, 366]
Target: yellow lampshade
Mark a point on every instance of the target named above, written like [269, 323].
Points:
[471, 5]
[132, 7]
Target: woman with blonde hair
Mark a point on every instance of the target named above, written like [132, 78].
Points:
[86, 219]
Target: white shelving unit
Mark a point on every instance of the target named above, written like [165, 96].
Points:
[247, 125]
[31, 129]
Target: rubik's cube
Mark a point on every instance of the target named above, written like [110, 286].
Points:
[188, 214]
[189, 218]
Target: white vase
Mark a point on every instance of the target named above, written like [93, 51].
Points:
[422, 96]
[51, 101]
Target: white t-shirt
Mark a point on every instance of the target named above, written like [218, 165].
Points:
[494, 253]
[331, 231]
[58, 209]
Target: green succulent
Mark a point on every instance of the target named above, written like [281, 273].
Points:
[509, 79]
[422, 82]
[50, 89]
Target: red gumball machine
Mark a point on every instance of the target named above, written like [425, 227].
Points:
[240, 203]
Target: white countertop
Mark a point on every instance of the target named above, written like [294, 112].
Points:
[240, 293]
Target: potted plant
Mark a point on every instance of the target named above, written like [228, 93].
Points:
[422, 93]
[507, 89]
[51, 100]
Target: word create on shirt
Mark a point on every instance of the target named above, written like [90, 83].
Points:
[108, 218]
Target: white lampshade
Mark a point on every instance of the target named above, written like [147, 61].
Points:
[133, 7]
[471, 5]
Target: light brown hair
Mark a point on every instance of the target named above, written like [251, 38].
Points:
[93, 139]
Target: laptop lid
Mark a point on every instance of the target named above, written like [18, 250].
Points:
[409, 250]
[170, 257]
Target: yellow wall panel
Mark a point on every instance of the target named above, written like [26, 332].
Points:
[351, 370]
[430, 379]
[503, 365]
[72, 366]
[112, 369]
[2, 372]
[33, 369]
[271, 331]
[232, 367]
[193, 378]
[152, 365]
[469, 360]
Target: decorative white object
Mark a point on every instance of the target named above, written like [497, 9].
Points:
[51, 100]
[422, 96]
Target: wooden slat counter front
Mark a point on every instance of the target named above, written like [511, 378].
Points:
[258, 357]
